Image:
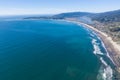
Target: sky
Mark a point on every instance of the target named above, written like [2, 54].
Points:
[21, 7]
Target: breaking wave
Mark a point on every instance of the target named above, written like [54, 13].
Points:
[105, 72]
[96, 47]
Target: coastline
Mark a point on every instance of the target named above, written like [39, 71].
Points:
[112, 47]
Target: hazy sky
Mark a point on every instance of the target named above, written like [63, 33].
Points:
[11, 7]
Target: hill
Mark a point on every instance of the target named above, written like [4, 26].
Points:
[111, 16]
[71, 15]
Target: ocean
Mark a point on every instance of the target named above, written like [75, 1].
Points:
[51, 50]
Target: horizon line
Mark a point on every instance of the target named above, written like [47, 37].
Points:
[45, 14]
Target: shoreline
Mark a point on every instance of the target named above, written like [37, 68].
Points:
[111, 46]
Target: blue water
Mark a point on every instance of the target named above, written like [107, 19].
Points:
[46, 50]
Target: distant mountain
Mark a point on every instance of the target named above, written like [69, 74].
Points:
[111, 16]
[71, 15]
